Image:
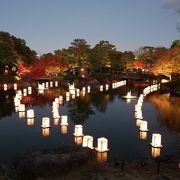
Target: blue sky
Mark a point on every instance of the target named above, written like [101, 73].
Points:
[47, 25]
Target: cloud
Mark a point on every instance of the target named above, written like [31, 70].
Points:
[171, 4]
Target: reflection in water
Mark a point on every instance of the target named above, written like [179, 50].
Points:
[64, 129]
[22, 114]
[56, 121]
[78, 140]
[30, 121]
[143, 135]
[45, 131]
[168, 108]
[155, 152]
[102, 156]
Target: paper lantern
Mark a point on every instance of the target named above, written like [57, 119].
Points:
[45, 122]
[51, 84]
[155, 152]
[101, 87]
[5, 87]
[78, 130]
[64, 120]
[88, 142]
[138, 122]
[30, 113]
[47, 84]
[56, 83]
[15, 86]
[102, 145]
[143, 126]
[29, 88]
[22, 107]
[107, 87]
[156, 140]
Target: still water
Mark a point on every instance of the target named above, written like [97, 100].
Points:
[102, 114]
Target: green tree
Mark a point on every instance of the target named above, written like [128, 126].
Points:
[175, 43]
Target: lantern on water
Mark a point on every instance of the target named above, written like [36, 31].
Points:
[30, 121]
[143, 135]
[45, 122]
[64, 129]
[22, 114]
[15, 86]
[88, 89]
[88, 142]
[155, 152]
[64, 120]
[45, 131]
[5, 87]
[102, 145]
[156, 140]
[22, 107]
[51, 84]
[102, 156]
[101, 87]
[78, 130]
[78, 140]
[107, 87]
[56, 83]
[56, 114]
[29, 88]
[30, 113]
[47, 84]
[143, 126]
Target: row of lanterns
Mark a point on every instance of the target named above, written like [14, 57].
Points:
[143, 125]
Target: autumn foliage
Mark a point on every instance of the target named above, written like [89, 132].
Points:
[45, 66]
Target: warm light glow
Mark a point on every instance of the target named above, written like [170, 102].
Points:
[102, 156]
[5, 87]
[30, 113]
[56, 83]
[156, 140]
[102, 145]
[45, 122]
[30, 121]
[155, 152]
[64, 120]
[22, 107]
[138, 122]
[101, 87]
[56, 114]
[143, 135]
[78, 130]
[47, 84]
[45, 131]
[107, 87]
[88, 142]
[51, 84]
[143, 126]
[22, 114]
[56, 121]
[64, 129]
[29, 88]
[88, 89]
[15, 86]
[78, 140]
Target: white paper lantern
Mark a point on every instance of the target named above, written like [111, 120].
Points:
[30, 113]
[88, 142]
[143, 126]
[102, 145]
[156, 140]
[78, 130]
[45, 122]
[64, 120]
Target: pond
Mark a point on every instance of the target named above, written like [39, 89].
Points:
[102, 114]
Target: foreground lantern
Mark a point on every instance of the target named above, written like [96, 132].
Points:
[45, 122]
[156, 140]
[138, 122]
[78, 130]
[102, 145]
[88, 142]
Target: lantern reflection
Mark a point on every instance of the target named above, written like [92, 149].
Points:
[102, 156]
[5, 87]
[78, 140]
[138, 122]
[22, 114]
[143, 135]
[101, 87]
[56, 121]
[30, 121]
[88, 142]
[102, 145]
[45, 131]
[64, 129]
[155, 152]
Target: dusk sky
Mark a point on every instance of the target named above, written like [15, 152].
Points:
[48, 25]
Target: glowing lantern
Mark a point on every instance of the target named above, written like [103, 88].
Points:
[22, 107]
[51, 84]
[88, 89]
[78, 140]
[143, 126]
[16, 108]
[107, 87]
[56, 115]
[78, 130]
[101, 87]
[143, 135]
[56, 83]
[64, 120]
[64, 129]
[5, 87]
[83, 89]
[155, 152]
[41, 91]
[102, 156]
[15, 86]
[47, 84]
[156, 140]
[30, 121]
[30, 113]
[88, 142]
[45, 122]
[102, 145]
[29, 88]
[138, 122]
[73, 96]
[45, 131]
